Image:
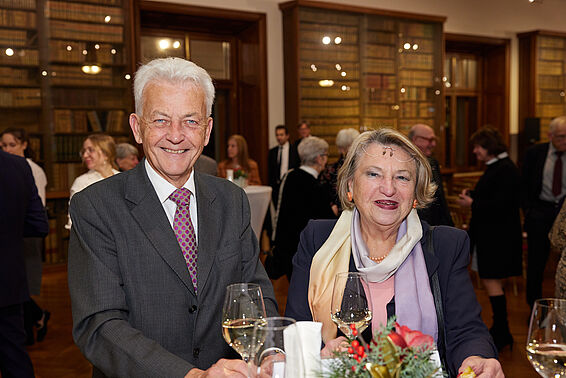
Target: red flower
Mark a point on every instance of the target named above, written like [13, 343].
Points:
[406, 337]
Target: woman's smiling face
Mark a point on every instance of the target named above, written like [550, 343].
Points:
[383, 187]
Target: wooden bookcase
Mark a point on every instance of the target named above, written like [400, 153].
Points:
[45, 49]
[542, 79]
[362, 68]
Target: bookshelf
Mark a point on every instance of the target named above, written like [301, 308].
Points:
[65, 72]
[362, 68]
[542, 78]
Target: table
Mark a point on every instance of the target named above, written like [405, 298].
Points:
[259, 197]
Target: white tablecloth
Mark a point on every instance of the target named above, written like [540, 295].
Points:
[259, 197]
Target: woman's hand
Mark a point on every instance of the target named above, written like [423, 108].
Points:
[483, 367]
[464, 199]
[338, 344]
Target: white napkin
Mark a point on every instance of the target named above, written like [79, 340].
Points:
[302, 348]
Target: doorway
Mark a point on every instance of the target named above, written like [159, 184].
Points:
[476, 79]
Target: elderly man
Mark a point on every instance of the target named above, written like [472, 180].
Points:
[543, 190]
[126, 156]
[437, 213]
[153, 249]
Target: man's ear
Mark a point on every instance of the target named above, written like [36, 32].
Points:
[136, 127]
[208, 130]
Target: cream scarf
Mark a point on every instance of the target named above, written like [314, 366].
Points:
[334, 257]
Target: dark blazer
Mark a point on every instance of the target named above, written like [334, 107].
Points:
[532, 172]
[303, 198]
[495, 226]
[274, 179]
[466, 334]
[21, 214]
[135, 312]
[437, 212]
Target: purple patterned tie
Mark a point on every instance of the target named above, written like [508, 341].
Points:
[184, 231]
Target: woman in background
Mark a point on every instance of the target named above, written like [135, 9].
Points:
[329, 176]
[99, 156]
[495, 226]
[238, 159]
[16, 141]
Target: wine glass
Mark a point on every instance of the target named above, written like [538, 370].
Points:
[243, 306]
[350, 303]
[269, 341]
[546, 340]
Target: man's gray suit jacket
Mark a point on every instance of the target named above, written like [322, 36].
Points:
[135, 312]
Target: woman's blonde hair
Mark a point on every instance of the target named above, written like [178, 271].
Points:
[242, 156]
[107, 146]
[424, 187]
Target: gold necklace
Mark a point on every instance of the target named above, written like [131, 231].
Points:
[379, 259]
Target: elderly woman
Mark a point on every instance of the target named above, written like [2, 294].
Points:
[126, 156]
[495, 226]
[300, 198]
[99, 156]
[329, 176]
[415, 273]
[237, 152]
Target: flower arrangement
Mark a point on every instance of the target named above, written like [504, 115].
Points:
[395, 352]
[240, 173]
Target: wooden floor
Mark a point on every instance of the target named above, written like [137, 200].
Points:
[58, 357]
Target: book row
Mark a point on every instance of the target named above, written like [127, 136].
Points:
[17, 76]
[86, 32]
[82, 52]
[18, 4]
[82, 121]
[65, 10]
[73, 75]
[21, 57]
[20, 97]
[17, 19]
[552, 81]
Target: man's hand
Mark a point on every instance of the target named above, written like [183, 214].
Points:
[483, 367]
[338, 344]
[464, 199]
[222, 368]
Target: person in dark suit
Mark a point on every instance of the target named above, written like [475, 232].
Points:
[495, 226]
[543, 189]
[280, 159]
[301, 198]
[437, 213]
[21, 215]
[152, 249]
[417, 274]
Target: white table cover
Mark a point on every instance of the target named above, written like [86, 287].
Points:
[259, 197]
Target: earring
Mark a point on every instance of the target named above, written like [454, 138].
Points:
[349, 195]
[415, 203]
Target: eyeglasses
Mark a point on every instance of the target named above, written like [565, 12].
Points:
[83, 151]
[430, 140]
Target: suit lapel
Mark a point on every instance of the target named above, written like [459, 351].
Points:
[151, 218]
[209, 214]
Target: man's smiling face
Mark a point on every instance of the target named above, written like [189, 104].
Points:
[173, 128]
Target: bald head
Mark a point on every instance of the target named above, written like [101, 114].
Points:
[424, 138]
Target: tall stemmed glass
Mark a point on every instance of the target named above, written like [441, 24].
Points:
[546, 341]
[243, 306]
[270, 356]
[350, 304]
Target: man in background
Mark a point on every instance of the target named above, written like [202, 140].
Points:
[437, 213]
[126, 156]
[304, 131]
[21, 214]
[543, 189]
[152, 249]
[281, 158]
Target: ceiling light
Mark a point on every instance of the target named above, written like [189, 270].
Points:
[337, 40]
[326, 83]
[326, 40]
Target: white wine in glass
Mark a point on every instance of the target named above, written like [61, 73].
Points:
[243, 307]
[546, 341]
[350, 304]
